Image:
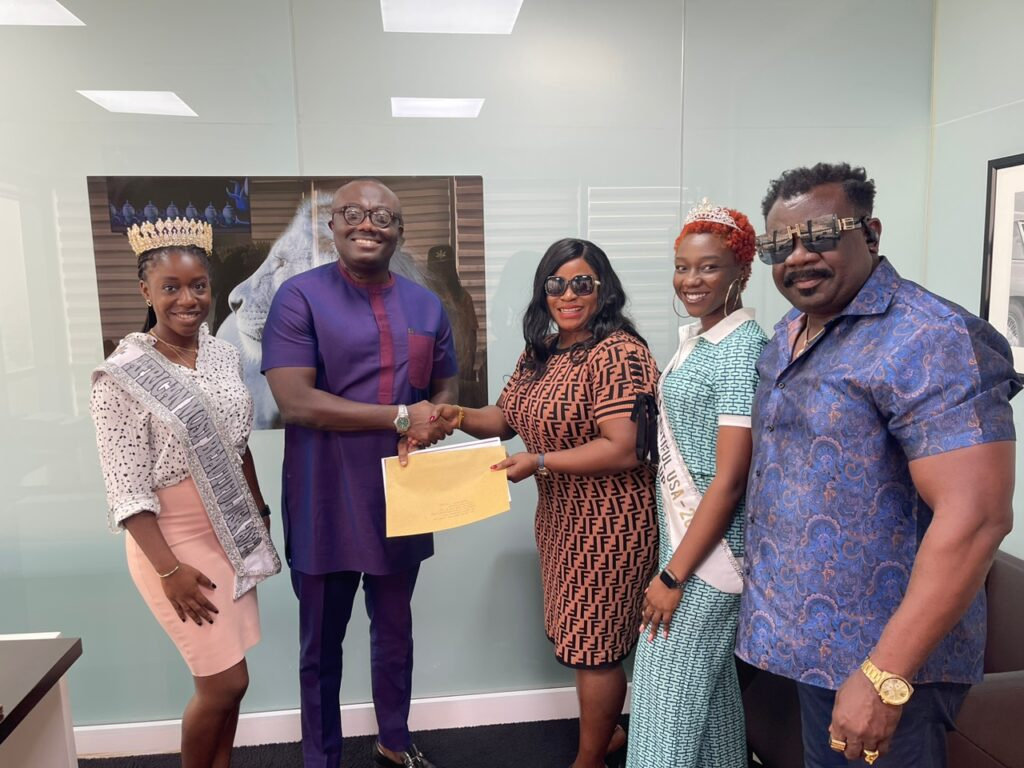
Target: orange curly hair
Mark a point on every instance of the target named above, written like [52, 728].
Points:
[739, 241]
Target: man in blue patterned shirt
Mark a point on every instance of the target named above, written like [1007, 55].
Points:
[880, 485]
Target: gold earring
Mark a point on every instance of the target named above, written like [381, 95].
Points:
[728, 293]
[674, 297]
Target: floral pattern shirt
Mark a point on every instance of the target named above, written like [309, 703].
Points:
[833, 519]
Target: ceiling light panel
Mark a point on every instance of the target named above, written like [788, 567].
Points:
[141, 102]
[37, 13]
[465, 17]
[402, 106]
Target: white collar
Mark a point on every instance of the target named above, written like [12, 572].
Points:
[719, 330]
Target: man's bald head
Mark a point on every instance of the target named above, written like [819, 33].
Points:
[364, 247]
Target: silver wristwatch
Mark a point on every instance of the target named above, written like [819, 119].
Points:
[402, 422]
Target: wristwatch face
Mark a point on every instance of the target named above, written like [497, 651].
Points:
[402, 422]
[668, 581]
[893, 690]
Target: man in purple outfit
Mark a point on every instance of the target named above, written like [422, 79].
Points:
[355, 356]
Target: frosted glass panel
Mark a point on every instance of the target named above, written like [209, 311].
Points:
[581, 119]
[585, 132]
[14, 304]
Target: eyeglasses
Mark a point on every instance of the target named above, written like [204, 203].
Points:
[582, 285]
[817, 236]
[354, 215]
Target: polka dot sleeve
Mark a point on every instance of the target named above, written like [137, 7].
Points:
[123, 437]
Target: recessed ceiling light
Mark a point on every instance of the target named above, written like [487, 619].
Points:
[415, 107]
[468, 17]
[141, 102]
[37, 13]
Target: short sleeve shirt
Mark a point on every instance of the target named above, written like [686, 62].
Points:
[380, 344]
[713, 387]
[833, 519]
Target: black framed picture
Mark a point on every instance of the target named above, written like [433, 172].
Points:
[1002, 277]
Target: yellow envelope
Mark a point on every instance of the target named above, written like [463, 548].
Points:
[444, 489]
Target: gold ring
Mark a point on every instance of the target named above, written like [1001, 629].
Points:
[870, 755]
[837, 744]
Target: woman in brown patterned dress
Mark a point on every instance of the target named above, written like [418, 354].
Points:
[571, 400]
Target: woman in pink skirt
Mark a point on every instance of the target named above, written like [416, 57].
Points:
[172, 424]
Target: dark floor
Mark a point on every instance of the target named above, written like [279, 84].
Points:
[547, 744]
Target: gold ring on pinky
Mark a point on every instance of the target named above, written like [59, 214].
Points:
[838, 744]
[870, 755]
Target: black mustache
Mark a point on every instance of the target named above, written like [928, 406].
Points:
[806, 274]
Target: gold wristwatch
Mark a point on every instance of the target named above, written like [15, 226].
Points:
[892, 689]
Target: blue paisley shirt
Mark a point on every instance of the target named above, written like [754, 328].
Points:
[833, 519]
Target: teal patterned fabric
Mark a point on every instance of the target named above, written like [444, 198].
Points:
[686, 709]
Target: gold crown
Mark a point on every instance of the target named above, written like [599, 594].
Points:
[705, 211]
[145, 236]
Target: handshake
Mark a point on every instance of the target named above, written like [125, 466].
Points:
[429, 424]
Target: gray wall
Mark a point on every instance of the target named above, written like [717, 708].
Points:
[978, 115]
[771, 86]
[581, 124]
[590, 127]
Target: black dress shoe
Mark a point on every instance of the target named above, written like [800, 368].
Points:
[412, 758]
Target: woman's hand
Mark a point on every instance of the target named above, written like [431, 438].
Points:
[437, 424]
[519, 466]
[446, 412]
[660, 603]
[184, 589]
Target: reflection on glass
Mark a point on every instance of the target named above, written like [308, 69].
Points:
[14, 310]
[636, 227]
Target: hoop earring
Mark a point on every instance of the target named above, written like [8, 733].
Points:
[674, 298]
[149, 303]
[728, 293]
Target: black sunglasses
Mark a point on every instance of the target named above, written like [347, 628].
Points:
[354, 215]
[582, 285]
[817, 236]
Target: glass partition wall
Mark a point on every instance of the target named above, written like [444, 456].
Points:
[601, 120]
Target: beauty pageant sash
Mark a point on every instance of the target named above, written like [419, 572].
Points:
[213, 462]
[680, 496]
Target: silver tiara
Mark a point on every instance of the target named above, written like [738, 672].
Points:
[705, 211]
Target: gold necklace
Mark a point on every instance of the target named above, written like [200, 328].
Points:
[167, 343]
[809, 340]
[174, 349]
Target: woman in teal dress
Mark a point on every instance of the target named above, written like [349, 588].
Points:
[686, 709]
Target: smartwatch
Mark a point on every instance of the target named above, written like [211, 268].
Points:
[669, 579]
